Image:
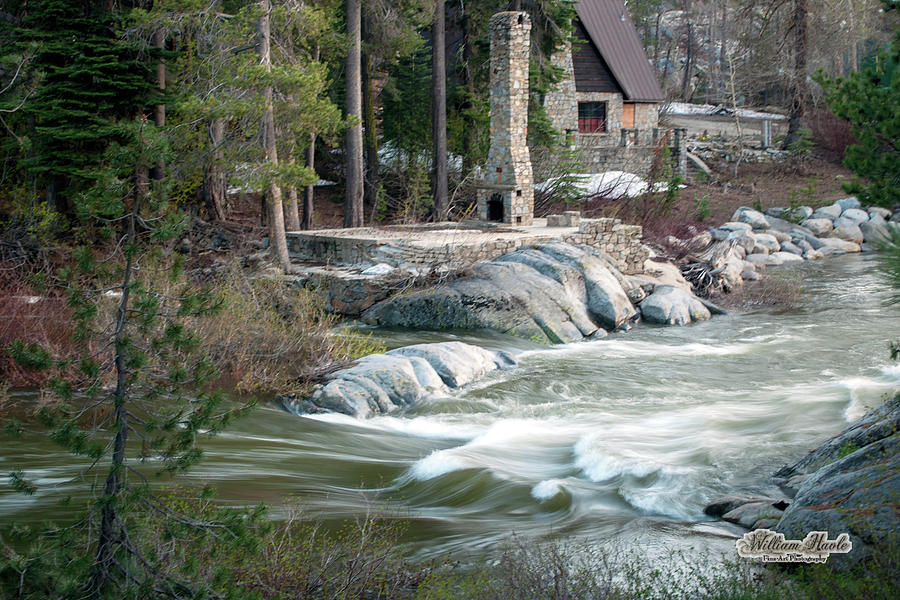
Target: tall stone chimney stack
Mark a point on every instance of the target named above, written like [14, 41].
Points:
[507, 192]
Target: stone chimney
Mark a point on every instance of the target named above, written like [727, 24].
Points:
[507, 192]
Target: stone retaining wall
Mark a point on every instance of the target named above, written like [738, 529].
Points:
[622, 242]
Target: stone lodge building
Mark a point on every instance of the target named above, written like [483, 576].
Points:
[607, 103]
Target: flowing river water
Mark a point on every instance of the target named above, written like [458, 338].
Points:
[617, 441]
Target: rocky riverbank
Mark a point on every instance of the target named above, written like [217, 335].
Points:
[549, 293]
[740, 250]
[849, 484]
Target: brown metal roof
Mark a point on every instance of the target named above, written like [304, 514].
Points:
[612, 31]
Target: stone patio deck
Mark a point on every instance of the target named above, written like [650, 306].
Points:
[453, 245]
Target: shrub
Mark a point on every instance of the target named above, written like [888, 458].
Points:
[781, 289]
[30, 317]
[829, 132]
[273, 337]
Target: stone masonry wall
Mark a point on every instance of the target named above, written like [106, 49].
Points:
[622, 242]
[508, 176]
[613, 108]
[646, 115]
[632, 159]
[561, 103]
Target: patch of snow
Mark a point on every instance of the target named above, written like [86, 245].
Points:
[686, 109]
[611, 184]
[379, 269]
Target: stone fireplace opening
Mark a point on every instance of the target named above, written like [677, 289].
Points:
[495, 208]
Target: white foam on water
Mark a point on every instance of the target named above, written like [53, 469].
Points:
[510, 447]
[667, 497]
[601, 462]
[891, 371]
[867, 393]
[439, 462]
[425, 427]
[547, 489]
[666, 493]
[619, 348]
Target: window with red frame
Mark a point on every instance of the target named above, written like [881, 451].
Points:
[592, 117]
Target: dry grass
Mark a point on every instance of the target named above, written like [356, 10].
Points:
[267, 336]
[781, 289]
[31, 317]
[273, 337]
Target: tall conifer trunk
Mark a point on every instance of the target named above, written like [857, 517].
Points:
[214, 188]
[310, 192]
[353, 201]
[439, 113]
[159, 112]
[370, 140]
[796, 121]
[277, 238]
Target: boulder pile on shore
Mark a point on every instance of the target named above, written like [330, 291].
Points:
[724, 257]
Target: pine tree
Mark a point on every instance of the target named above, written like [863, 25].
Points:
[88, 78]
[868, 99]
[353, 147]
[138, 390]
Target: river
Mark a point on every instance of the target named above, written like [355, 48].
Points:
[617, 441]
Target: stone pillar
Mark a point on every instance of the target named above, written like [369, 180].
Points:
[681, 151]
[508, 195]
[561, 103]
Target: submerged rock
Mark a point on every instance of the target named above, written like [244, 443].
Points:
[383, 383]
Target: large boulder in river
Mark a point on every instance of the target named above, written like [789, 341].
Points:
[384, 383]
[779, 258]
[768, 241]
[850, 233]
[670, 305]
[855, 215]
[849, 484]
[666, 273]
[848, 203]
[838, 245]
[551, 293]
[881, 212]
[605, 297]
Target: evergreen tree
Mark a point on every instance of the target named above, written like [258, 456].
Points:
[138, 390]
[869, 100]
[87, 79]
